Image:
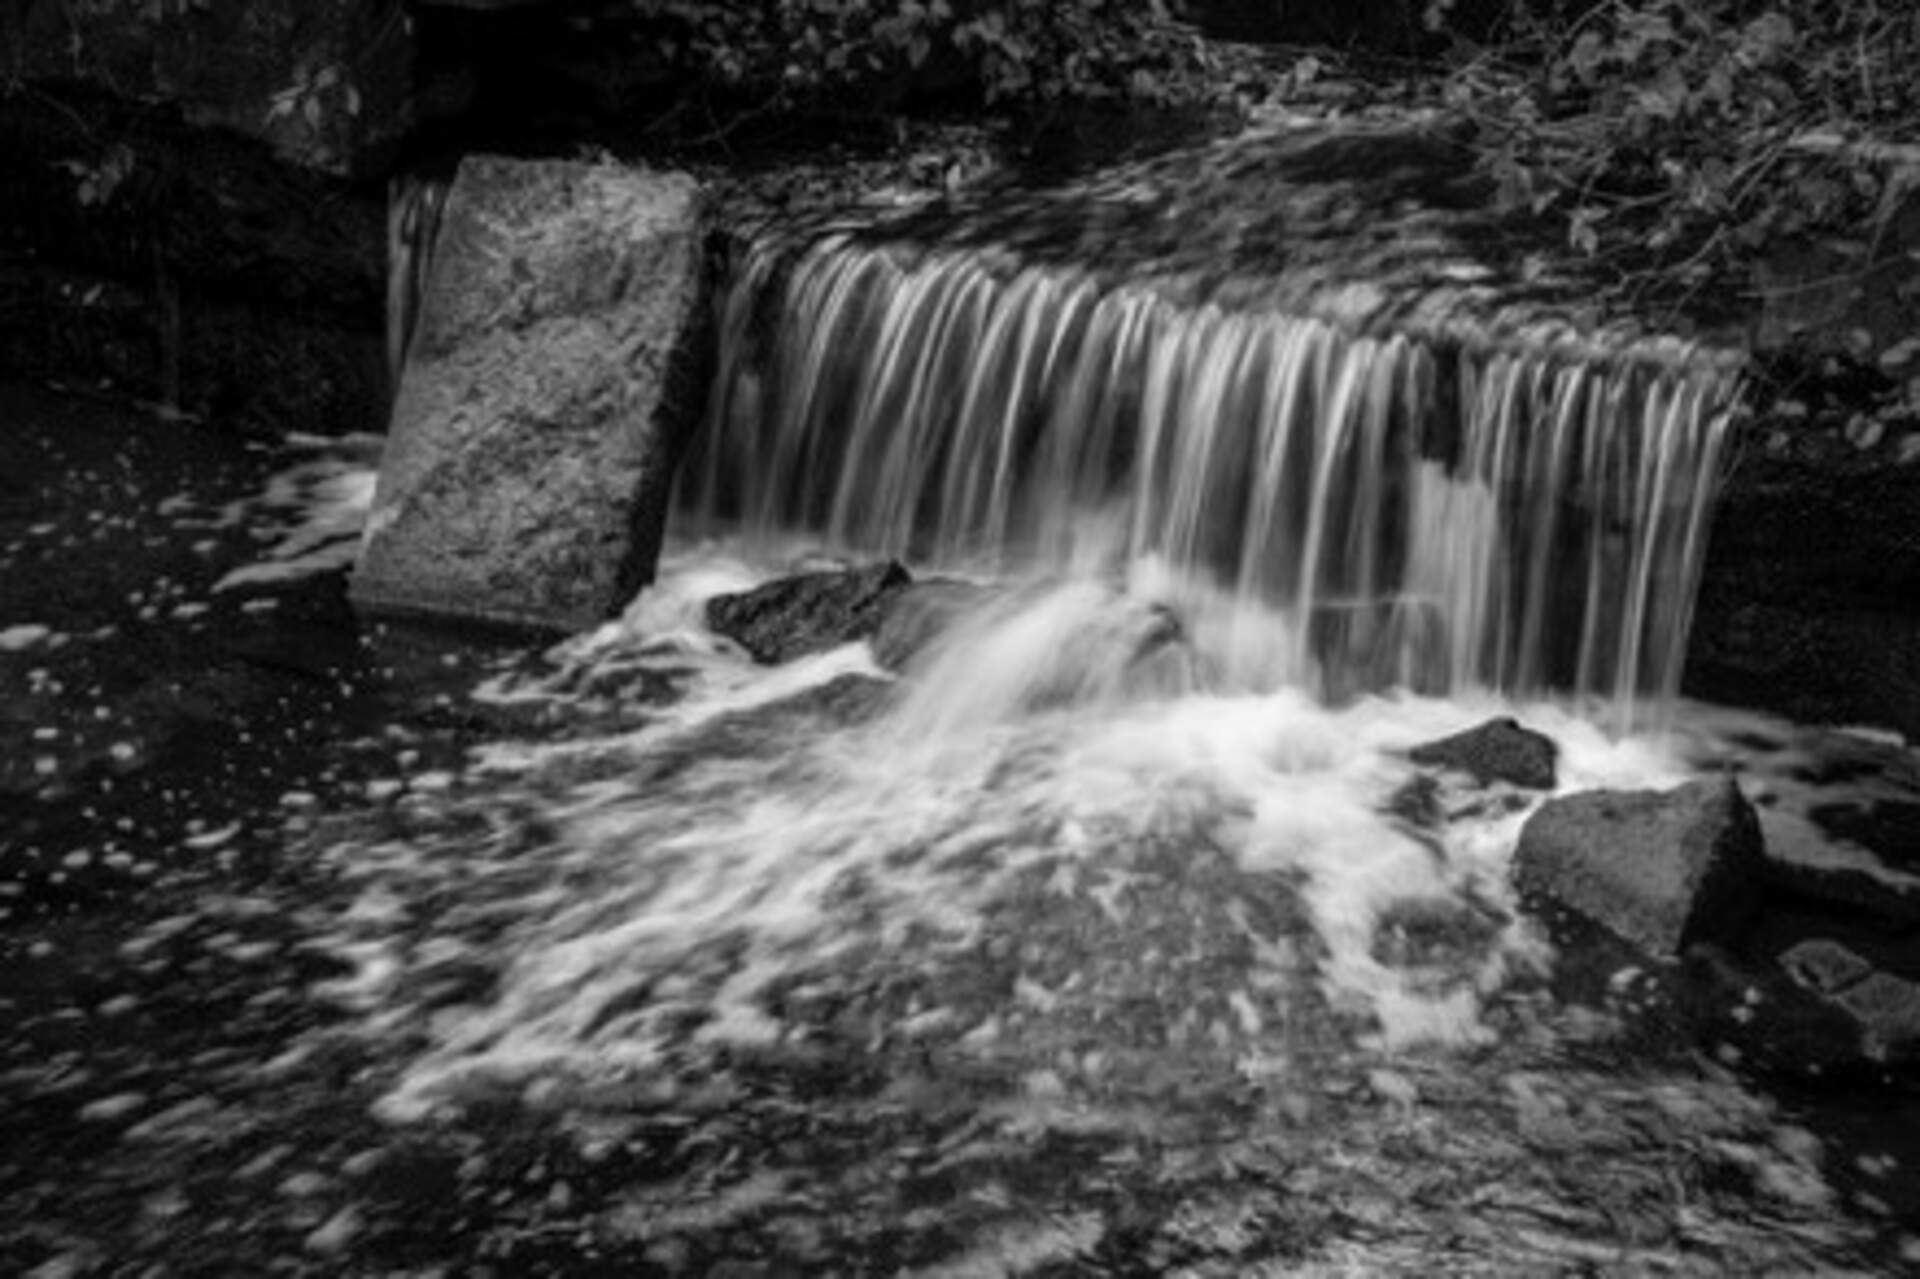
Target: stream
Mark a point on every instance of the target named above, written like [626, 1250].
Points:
[328, 947]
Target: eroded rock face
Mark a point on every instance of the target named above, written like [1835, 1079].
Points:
[807, 613]
[1661, 870]
[552, 380]
[1498, 750]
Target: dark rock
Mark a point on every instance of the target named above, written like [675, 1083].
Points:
[1865, 890]
[1498, 750]
[1417, 804]
[1756, 1016]
[1809, 602]
[546, 400]
[918, 615]
[1883, 1008]
[808, 613]
[1659, 869]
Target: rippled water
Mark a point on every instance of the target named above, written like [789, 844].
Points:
[1050, 887]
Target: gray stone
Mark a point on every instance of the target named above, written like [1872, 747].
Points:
[807, 613]
[1660, 870]
[552, 380]
[1883, 1007]
[1498, 750]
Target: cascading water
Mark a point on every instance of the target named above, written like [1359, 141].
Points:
[1424, 513]
[1091, 865]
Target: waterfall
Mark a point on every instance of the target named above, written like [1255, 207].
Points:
[414, 207]
[1431, 511]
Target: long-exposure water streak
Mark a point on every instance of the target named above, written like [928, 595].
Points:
[1431, 514]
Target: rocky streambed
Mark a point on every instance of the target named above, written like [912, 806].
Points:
[343, 949]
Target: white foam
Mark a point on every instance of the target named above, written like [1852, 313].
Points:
[1064, 723]
[313, 511]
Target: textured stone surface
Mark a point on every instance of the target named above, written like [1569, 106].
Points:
[553, 376]
[1660, 869]
[807, 613]
[1498, 750]
[1883, 1006]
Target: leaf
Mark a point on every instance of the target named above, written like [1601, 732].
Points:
[1582, 235]
[1586, 55]
[1766, 38]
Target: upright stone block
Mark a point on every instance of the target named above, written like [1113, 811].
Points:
[555, 371]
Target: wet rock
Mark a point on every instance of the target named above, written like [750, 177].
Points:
[1498, 750]
[546, 398]
[1416, 804]
[920, 614]
[1443, 940]
[1659, 869]
[808, 613]
[1767, 1017]
[1883, 1008]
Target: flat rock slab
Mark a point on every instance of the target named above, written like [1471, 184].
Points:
[553, 378]
[1884, 1006]
[1660, 869]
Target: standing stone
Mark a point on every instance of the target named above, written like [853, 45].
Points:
[547, 396]
[1660, 869]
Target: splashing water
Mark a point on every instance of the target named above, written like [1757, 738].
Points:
[1247, 559]
[752, 840]
[1236, 565]
[1425, 514]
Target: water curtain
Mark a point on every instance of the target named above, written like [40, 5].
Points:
[1421, 511]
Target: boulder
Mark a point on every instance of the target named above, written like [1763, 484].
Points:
[551, 383]
[1659, 869]
[1883, 1008]
[1752, 1013]
[1498, 750]
[807, 613]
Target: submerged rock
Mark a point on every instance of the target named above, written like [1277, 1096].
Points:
[546, 398]
[808, 613]
[1660, 869]
[1883, 1008]
[920, 614]
[1498, 750]
[1442, 942]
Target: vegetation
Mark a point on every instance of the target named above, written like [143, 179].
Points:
[1005, 50]
[1684, 134]
[1671, 138]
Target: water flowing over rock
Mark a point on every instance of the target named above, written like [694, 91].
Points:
[1473, 514]
[1659, 869]
[546, 397]
[919, 615]
[1498, 750]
